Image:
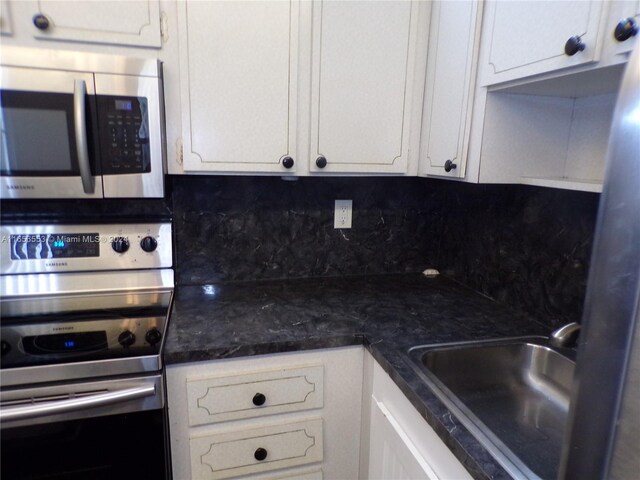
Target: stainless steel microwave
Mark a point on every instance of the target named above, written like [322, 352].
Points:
[80, 125]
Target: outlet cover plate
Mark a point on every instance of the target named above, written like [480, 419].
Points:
[343, 214]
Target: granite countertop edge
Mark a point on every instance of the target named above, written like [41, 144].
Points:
[414, 301]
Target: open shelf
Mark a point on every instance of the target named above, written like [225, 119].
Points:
[565, 183]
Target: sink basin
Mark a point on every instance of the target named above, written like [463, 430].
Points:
[513, 395]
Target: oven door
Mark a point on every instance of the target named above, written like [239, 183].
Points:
[48, 124]
[99, 430]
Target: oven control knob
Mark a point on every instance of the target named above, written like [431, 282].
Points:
[4, 348]
[120, 244]
[153, 336]
[126, 338]
[148, 244]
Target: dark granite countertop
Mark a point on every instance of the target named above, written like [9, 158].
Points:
[387, 313]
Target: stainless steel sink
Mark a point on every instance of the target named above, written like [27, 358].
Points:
[512, 394]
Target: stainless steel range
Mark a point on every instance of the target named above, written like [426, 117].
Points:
[84, 314]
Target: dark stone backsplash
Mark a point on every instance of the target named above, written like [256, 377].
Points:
[524, 246]
[248, 228]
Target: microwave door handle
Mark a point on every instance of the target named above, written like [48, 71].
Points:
[81, 403]
[82, 147]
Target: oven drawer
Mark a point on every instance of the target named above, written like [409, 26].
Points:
[244, 396]
[242, 452]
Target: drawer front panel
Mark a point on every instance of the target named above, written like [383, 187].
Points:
[245, 396]
[231, 454]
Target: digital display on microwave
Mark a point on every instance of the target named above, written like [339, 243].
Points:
[42, 246]
[123, 105]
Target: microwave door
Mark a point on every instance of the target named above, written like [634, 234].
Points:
[48, 125]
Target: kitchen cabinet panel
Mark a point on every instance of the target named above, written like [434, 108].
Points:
[401, 443]
[393, 454]
[132, 23]
[241, 452]
[269, 87]
[323, 431]
[244, 396]
[523, 39]
[362, 85]
[621, 10]
[239, 82]
[449, 87]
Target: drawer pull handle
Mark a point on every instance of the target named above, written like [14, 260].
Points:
[259, 399]
[260, 454]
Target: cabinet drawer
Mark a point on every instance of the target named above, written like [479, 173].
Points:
[237, 453]
[245, 396]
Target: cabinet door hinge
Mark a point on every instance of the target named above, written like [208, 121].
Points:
[164, 27]
[179, 151]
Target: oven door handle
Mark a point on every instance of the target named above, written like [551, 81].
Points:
[81, 403]
[82, 144]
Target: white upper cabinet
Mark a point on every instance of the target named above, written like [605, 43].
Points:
[623, 24]
[271, 86]
[131, 23]
[527, 38]
[449, 85]
[363, 85]
[239, 83]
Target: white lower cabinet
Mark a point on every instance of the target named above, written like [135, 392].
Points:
[401, 445]
[353, 422]
[240, 452]
[290, 415]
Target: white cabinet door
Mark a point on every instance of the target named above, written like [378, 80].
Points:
[225, 446]
[134, 22]
[402, 445]
[450, 81]
[627, 12]
[528, 38]
[393, 455]
[238, 64]
[363, 85]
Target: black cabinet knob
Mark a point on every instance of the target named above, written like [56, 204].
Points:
[259, 399]
[153, 336]
[40, 21]
[260, 454]
[626, 28]
[148, 244]
[126, 338]
[287, 162]
[4, 347]
[321, 162]
[120, 244]
[574, 45]
[449, 165]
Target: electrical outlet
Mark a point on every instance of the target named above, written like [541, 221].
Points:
[343, 214]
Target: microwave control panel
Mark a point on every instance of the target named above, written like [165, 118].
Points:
[124, 134]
